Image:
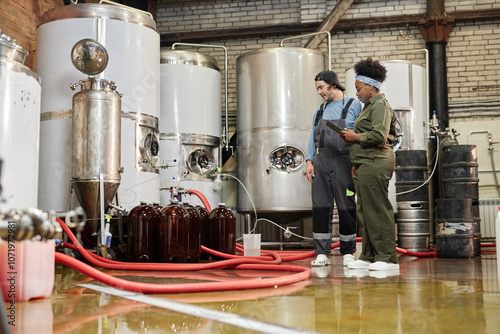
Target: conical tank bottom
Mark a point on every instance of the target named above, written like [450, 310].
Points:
[87, 193]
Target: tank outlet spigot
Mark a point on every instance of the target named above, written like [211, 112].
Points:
[218, 181]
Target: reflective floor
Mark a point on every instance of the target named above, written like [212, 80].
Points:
[429, 295]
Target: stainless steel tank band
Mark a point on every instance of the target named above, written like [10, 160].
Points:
[98, 11]
[142, 119]
[58, 114]
[191, 138]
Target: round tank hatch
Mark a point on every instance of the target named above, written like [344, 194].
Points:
[286, 158]
[89, 56]
[200, 161]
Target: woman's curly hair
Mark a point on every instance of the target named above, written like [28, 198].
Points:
[371, 68]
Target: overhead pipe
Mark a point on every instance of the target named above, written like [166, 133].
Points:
[225, 133]
[314, 34]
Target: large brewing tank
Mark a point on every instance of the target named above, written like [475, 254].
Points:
[20, 93]
[276, 103]
[405, 89]
[190, 122]
[133, 44]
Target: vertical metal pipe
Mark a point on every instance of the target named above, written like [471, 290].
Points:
[437, 73]
[435, 8]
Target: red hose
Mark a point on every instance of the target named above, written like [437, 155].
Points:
[234, 261]
[302, 273]
[417, 254]
[109, 264]
[201, 197]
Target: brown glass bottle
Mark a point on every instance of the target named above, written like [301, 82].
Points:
[223, 232]
[205, 230]
[194, 237]
[143, 233]
[173, 234]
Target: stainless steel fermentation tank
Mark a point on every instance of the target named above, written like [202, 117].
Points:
[133, 44]
[96, 145]
[20, 94]
[190, 122]
[276, 103]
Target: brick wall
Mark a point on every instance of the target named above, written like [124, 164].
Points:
[19, 19]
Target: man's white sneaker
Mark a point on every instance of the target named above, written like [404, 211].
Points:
[348, 258]
[380, 265]
[358, 264]
[321, 260]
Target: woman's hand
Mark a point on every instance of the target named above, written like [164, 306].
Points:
[349, 136]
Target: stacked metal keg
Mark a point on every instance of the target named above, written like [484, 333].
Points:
[412, 196]
[457, 212]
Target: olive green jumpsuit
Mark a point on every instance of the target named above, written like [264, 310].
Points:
[373, 161]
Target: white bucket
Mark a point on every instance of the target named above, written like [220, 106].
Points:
[251, 244]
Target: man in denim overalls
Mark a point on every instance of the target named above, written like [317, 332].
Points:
[329, 170]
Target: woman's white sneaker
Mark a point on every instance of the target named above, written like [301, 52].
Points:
[380, 265]
[358, 264]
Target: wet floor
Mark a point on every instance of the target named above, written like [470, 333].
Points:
[429, 295]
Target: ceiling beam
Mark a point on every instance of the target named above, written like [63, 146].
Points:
[263, 31]
[329, 23]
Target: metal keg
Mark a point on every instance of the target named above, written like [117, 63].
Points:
[413, 226]
[454, 225]
[460, 171]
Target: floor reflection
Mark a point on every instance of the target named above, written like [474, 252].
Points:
[428, 295]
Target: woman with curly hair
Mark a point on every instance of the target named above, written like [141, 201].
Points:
[373, 160]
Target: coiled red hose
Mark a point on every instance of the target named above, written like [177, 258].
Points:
[248, 263]
[302, 273]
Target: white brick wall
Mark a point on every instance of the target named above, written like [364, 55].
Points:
[473, 49]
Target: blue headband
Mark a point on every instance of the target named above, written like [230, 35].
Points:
[369, 81]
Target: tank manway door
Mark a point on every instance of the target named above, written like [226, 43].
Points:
[286, 158]
[96, 132]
